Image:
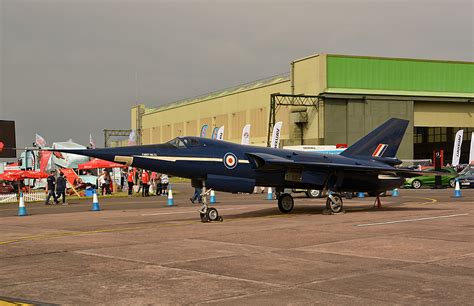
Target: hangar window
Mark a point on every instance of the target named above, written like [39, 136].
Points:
[418, 135]
[437, 134]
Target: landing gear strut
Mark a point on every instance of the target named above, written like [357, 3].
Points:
[208, 214]
[334, 203]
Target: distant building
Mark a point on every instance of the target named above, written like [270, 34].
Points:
[355, 94]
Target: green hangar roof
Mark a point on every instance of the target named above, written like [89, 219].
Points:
[393, 75]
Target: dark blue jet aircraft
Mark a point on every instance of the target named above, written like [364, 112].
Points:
[367, 165]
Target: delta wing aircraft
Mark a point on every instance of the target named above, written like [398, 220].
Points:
[368, 165]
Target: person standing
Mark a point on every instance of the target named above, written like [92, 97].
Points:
[145, 186]
[139, 181]
[123, 175]
[104, 182]
[153, 181]
[159, 186]
[51, 188]
[130, 177]
[61, 187]
[164, 184]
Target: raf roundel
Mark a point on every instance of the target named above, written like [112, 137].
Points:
[230, 160]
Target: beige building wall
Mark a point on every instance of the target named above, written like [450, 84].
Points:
[155, 134]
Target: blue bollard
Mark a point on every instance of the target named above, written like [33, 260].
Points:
[212, 198]
[395, 192]
[95, 202]
[457, 190]
[270, 193]
[21, 206]
[170, 197]
[361, 194]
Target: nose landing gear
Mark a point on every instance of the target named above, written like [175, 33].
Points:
[208, 214]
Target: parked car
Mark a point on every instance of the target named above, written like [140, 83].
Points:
[310, 193]
[466, 177]
[449, 179]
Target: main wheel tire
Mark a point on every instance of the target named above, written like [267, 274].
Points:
[335, 207]
[313, 193]
[285, 203]
[212, 214]
[452, 183]
[416, 184]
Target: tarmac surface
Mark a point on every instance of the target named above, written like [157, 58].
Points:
[417, 249]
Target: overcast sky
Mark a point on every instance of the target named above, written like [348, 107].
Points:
[68, 67]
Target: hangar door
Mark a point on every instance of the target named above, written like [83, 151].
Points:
[435, 127]
[443, 114]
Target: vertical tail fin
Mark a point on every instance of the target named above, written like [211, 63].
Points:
[381, 142]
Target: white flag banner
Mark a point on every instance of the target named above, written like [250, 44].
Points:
[132, 139]
[40, 142]
[91, 142]
[471, 152]
[246, 135]
[220, 133]
[457, 147]
[276, 135]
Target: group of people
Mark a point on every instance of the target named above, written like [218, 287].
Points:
[56, 188]
[56, 184]
[145, 179]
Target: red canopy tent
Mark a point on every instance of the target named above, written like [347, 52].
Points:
[16, 175]
[100, 163]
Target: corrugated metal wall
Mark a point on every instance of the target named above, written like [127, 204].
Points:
[399, 74]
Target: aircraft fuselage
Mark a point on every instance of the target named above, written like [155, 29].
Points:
[230, 167]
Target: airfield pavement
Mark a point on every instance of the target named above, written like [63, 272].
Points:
[417, 249]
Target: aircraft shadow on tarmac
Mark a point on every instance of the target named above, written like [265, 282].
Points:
[319, 209]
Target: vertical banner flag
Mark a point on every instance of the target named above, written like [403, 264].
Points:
[457, 147]
[220, 133]
[214, 132]
[132, 139]
[40, 142]
[276, 135]
[471, 153]
[246, 135]
[204, 130]
[91, 142]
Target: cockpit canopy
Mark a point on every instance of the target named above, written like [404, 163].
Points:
[183, 142]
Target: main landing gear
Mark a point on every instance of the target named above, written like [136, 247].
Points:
[208, 214]
[334, 203]
[286, 203]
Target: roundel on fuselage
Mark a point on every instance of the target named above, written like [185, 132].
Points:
[230, 160]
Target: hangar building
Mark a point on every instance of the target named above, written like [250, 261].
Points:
[331, 99]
